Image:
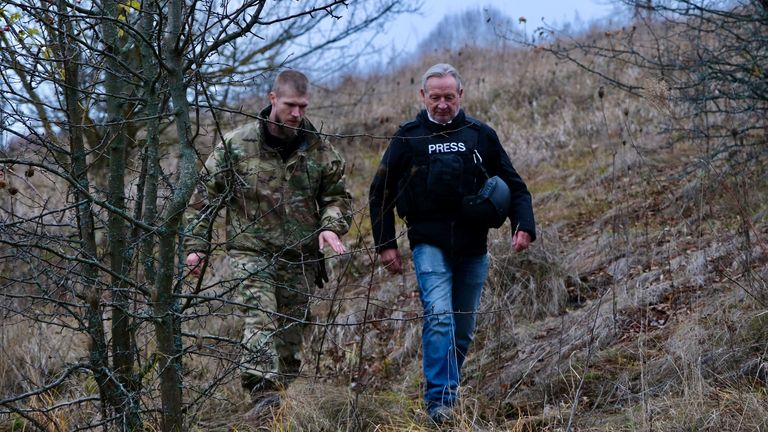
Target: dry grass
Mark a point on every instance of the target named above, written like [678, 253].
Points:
[641, 306]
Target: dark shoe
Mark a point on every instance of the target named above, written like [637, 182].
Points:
[253, 384]
[441, 414]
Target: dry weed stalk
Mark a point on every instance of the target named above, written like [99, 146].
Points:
[658, 95]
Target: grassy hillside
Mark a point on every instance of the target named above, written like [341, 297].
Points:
[641, 306]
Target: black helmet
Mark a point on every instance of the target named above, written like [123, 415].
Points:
[490, 205]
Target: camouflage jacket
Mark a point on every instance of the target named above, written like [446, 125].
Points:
[271, 205]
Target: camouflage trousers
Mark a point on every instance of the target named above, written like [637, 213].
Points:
[275, 295]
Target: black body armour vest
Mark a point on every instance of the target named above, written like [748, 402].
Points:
[442, 172]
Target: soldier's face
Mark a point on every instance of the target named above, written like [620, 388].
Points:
[442, 98]
[288, 108]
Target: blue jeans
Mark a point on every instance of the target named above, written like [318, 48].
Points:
[450, 291]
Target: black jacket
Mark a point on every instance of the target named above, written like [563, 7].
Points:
[430, 203]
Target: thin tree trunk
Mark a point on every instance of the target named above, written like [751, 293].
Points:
[89, 291]
[151, 77]
[122, 341]
[168, 327]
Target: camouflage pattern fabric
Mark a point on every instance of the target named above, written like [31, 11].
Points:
[271, 205]
[275, 294]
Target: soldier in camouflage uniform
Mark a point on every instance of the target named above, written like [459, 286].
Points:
[282, 185]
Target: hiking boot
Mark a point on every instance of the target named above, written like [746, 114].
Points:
[254, 383]
[441, 414]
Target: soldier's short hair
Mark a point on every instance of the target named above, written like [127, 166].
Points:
[292, 79]
[440, 70]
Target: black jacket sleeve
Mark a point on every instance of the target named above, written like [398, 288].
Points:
[383, 194]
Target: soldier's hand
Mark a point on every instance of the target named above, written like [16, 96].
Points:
[330, 238]
[390, 259]
[520, 241]
[195, 262]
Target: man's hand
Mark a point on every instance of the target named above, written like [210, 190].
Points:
[390, 259]
[330, 238]
[195, 262]
[520, 241]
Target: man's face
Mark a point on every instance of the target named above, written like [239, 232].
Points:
[442, 98]
[288, 108]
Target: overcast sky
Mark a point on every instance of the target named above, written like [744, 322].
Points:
[397, 39]
[410, 29]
